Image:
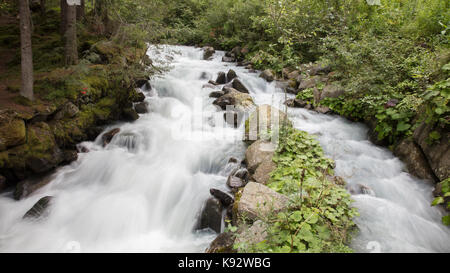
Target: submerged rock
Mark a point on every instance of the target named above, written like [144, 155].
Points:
[40, 209]
[211, 216]
[141, 108]
[27, 187]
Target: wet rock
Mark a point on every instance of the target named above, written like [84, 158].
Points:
[262, 173]
[221, 78]
[70, 156]
[257, 153]
[130, 114]
[107, 137]
[228, 59]
[208, 52]
[3, 184]
[141, 82]
[231, 75]
[141, 108]
[40, 209]
[30, 185]
[82, 149]
[235, 182]
[254, 235]
[239, 86]
[211, 216]
[69, 110]
[437, 152]
[216, 94]
[411, 154]
[242, 173]
[222, 244]
[258, 201]
[268, 75]
[138, 97]
[224, 197]
[205, 76]
[241, 101]
[233, 160]
[12, 130]
[213, 82]
[263, 120]
[210, 86]
[360, 189]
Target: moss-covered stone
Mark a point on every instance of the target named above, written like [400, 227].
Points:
[12, 130]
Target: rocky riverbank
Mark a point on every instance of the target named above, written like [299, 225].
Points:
[275, 184]
[79, 101]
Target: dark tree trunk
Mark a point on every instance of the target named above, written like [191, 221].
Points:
[81, 11]
[70, 37]
[26, 50]
[63, 5]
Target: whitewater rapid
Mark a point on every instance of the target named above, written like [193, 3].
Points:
[143, 192]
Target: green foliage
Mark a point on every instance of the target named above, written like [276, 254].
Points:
[319, 218]
[444, 198]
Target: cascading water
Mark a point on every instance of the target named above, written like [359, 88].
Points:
[144, 190]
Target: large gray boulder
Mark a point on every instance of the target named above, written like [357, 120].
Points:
[252, 236]
[262, 172]
[268, 75]
[241, 101]
[258, 202]
[257, 153]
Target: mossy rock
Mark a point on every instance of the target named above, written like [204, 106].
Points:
[12, 130]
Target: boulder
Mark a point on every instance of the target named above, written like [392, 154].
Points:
[30, 185]
[268, 75]
[224, 197]
[3, 184]
[252, 236]
[222, 244]
[239, 86]
[331, 91]
[208, 52]
[70, 156]
[227, 59]
[69, 110]
[309, 83]
[233, 160]
[293, 75]
[411, 154]
[211, 216]
[257, 153]
[262, 172]
[221, 78]
[322, 110]
[235, 182]
[297, 103]
[241, 101]
[129, 114]
[231, 75]
[40, 209]
[317, 69]
[258, 201]
[263, 120]
[141, 108]
[216, 94]
[437, 152]
[12, 130]
[107, 137]
[138, 97]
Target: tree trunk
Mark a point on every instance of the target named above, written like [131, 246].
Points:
[81, 11]
[26, 50]
[71, 51]
[63, 5]
[42, 2]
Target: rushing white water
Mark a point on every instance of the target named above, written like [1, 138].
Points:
[143, 191]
